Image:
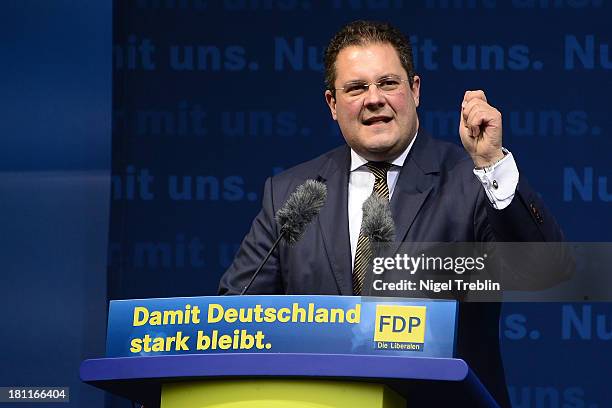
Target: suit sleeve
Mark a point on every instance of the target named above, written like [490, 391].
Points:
[526, 219]
[543, 259]
[253, 249]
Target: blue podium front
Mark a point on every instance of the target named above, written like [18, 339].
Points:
[284, 351]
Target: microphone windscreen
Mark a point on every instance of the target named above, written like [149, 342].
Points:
[300, 209]
[377, 223]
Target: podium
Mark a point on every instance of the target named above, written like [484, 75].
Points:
[352, 374]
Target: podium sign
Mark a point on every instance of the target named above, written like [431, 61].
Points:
[282, 324]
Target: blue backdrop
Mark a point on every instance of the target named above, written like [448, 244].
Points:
[211, 97]
[55, 82]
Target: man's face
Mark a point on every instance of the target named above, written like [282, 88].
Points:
[378, 125]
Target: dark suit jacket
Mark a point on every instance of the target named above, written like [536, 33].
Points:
[437, 198]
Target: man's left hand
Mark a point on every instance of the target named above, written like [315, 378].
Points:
[480, 128]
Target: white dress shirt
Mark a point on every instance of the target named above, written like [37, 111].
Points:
[499, 182]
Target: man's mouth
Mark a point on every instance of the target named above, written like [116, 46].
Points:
[376, 120]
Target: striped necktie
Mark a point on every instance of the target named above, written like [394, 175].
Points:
[363, 253]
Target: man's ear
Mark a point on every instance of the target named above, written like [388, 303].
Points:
[331, 102]
[416, 89]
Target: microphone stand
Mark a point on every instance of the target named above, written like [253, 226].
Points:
[280, 236]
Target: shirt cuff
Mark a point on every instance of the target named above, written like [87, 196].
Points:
[500, 181]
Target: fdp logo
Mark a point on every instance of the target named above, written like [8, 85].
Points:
[400, 327]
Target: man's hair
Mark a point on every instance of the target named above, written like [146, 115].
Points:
[365, 33]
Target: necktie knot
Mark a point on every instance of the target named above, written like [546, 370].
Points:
[379, 169]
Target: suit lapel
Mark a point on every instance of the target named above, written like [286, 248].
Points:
[414, 185]
[333, 218]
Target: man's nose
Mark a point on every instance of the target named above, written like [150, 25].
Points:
[374, 96]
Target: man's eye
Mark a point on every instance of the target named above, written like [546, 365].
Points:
[355, 89]
[389, 84]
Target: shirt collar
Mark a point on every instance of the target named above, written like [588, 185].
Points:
[357, 161]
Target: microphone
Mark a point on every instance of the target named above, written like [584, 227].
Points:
[300, 208]
[294, 216]
[377, 223]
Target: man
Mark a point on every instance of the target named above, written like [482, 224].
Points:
[437, 193]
